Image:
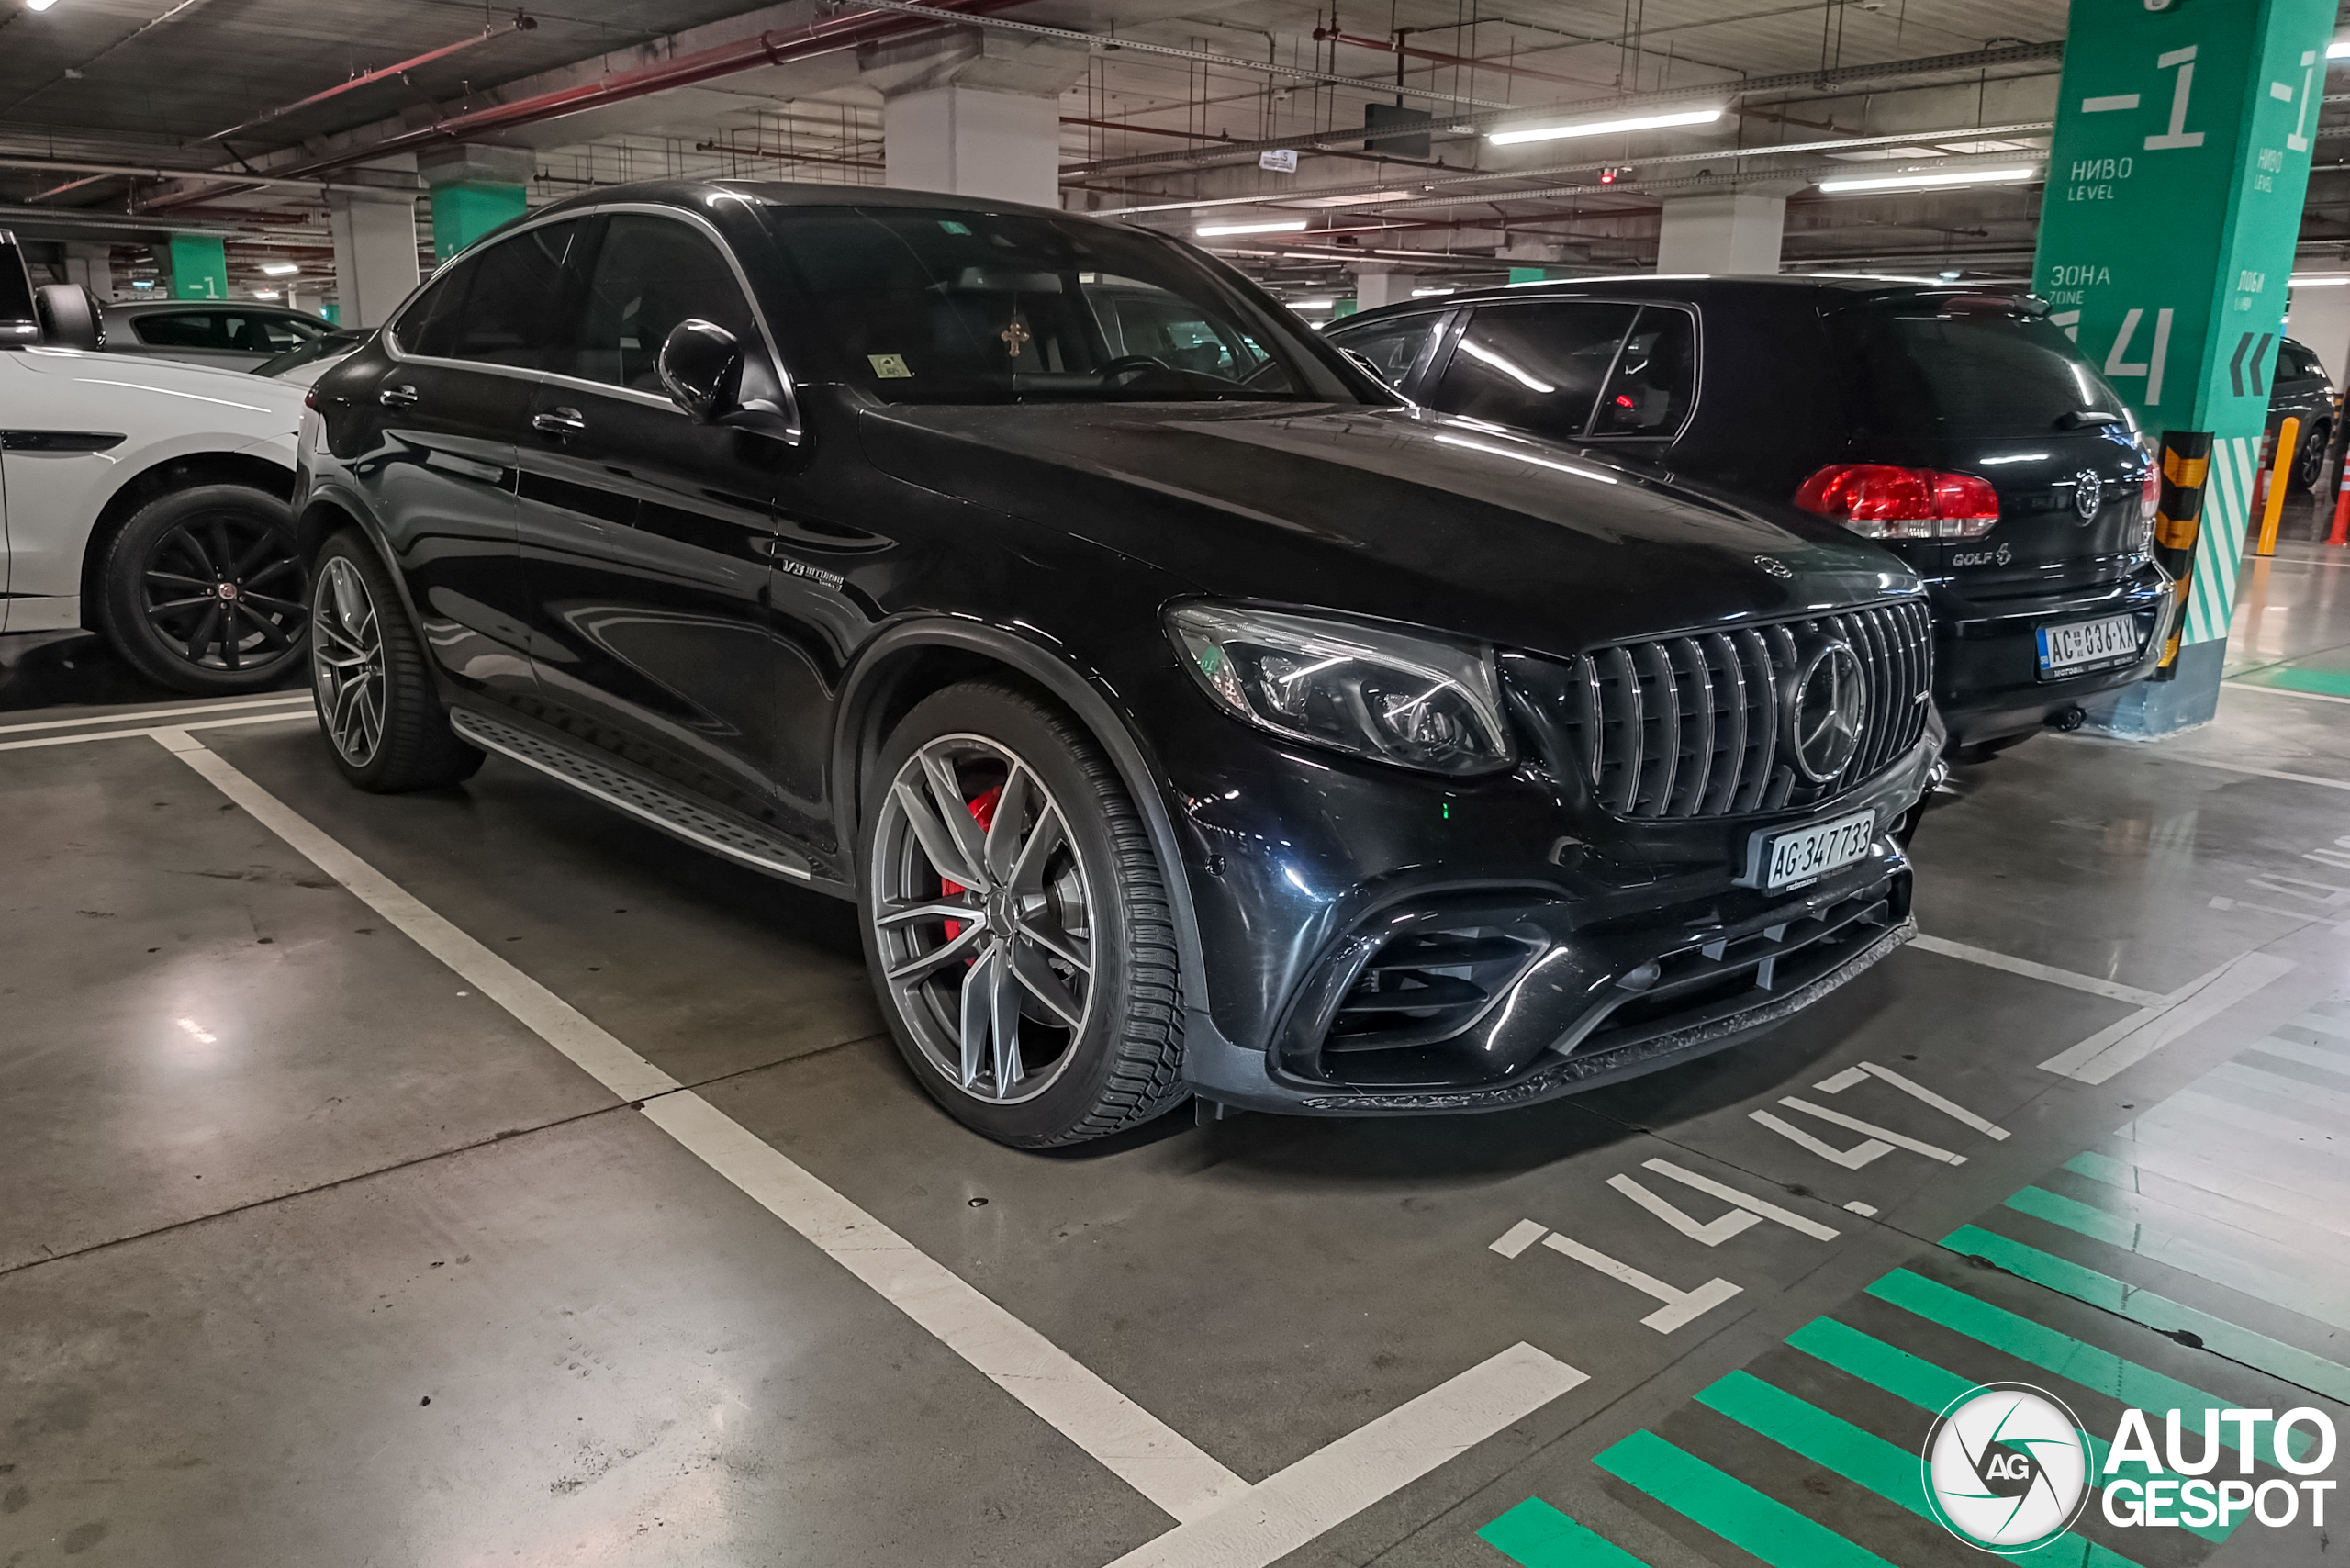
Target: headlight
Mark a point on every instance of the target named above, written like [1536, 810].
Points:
[1416, 700]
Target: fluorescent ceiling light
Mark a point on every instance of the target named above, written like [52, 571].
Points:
[1312, 304]
[39, 5]
[1930, 182]
[2318, 280]
[265, 293]
[1361, 198]
[2337, 49]
[1603, 126]
[280, 269]
[1285, 226]
[1427, 293]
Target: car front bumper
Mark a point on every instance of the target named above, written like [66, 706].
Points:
[1636, 958]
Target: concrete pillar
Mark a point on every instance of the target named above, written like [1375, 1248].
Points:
[2176, 179]
[92, 267]
[1722, 233]
[199, 267]
[374, 253]
[1375, 287]
[974, 113]
[475, 190]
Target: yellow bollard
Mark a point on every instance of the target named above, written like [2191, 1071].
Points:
[2279, 477]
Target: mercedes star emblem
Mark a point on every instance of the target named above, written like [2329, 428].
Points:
[1773, 565]
[1829, 706]
[2088, 494]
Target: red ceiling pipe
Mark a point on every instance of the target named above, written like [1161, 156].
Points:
[826, 36]
[1386, 47]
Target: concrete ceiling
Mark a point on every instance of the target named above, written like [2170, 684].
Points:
[152, 82]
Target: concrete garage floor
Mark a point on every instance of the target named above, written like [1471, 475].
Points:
[314, 1253]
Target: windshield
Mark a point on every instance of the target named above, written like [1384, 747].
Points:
[954, 306]
[1975, 365]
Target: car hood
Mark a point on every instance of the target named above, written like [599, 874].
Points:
[147, 398]
[1396, 513]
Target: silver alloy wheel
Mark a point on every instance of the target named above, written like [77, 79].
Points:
[983, 917]
[347, 661]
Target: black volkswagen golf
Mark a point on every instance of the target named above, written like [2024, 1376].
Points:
[1184, 713]
[1958, 428]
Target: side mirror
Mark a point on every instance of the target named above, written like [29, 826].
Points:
[71, 316]
[706, 372]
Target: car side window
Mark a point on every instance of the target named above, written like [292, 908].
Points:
[177, 329]
[1394, 346]
[496, 308]
[1536, 366]
[648, 275]
[1655, 377]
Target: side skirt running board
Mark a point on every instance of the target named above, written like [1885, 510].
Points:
[671, 812]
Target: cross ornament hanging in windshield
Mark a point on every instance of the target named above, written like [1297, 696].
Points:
[1014, 336]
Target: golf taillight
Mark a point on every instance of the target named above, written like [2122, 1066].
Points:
[1878, 501]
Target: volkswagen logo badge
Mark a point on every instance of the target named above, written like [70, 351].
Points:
[2088, 494]
[1827, 712]
[1774, 566]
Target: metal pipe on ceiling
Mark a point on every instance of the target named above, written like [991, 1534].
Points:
[1470, 124]
[827, 35]
[1332, 35]
[1107, 42]
[523, 22]
[158, 171]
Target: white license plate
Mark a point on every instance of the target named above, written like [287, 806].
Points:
[1801, 855]
[2078, 643]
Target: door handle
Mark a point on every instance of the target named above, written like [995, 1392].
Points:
[559, 423]
[396, 396]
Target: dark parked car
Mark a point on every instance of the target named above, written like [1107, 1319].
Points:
[236, 337]
[1961, 430]
[1220, 726]
[2300, 389]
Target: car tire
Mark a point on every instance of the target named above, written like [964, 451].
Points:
[200, 591]
[1068, 933]
[2308, 463]
[384, 724]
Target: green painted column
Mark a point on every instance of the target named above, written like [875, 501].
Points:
[466, 210]
[199, 267]
[475, 189]
[2180, 159]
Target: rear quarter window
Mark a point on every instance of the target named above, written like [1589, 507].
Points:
[1967, 364]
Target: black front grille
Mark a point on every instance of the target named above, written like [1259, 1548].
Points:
[1691, 726]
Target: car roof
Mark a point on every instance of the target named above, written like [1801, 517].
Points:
[149, 306]
[700, 194]
[1697, 288]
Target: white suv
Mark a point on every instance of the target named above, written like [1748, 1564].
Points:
[144, 499]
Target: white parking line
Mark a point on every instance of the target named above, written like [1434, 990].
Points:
[279, 716]
[2260, 772]
[2283, 691]
[2133, 1039]
[1223, 1521]
[187, 710]
[2025, 967]
[1285, 1511]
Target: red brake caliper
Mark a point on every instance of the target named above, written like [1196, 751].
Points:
[983, 812]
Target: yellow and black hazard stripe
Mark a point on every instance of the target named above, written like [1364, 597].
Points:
[2178, 518]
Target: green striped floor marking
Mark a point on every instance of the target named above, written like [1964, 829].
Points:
[2075, 1359]
[1536, 1535]
[2178, 1251]
[2295, 677]
[1917, 1380]
[2140, 1305]
[1730, 1509]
